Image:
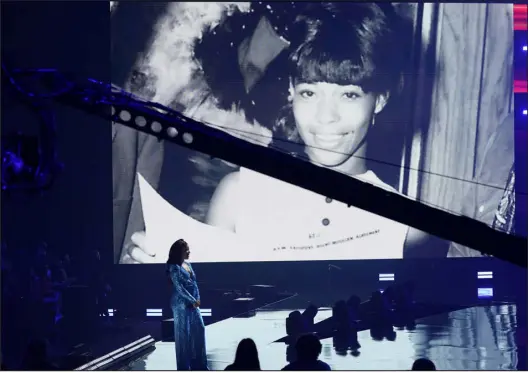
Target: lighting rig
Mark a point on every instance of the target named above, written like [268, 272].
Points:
[119, 106]
[30, 161]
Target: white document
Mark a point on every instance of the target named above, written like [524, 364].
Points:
[165, 224]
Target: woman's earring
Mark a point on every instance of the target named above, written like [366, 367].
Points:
[290, 98]
[373, 120]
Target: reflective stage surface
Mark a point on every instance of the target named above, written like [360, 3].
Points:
[476, 338]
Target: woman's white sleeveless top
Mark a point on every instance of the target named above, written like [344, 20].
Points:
[297, 224]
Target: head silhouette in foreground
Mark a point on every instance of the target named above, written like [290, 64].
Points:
[308, 348]
[423, 364]
[246, 357]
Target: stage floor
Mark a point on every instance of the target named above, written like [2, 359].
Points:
[476, 338]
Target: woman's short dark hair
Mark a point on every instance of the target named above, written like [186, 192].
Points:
[345, 43]
[176, 251]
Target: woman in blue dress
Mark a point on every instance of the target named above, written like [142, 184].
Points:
[189, 329]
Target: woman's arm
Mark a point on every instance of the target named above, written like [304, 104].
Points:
[197, 288]
[175, 275]
[223, 206]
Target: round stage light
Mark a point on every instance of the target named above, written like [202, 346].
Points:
[156, 127]
[172, 132]
[140, 121]
[187, 138]
[125, 116]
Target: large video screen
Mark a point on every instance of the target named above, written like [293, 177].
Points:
[413, 98]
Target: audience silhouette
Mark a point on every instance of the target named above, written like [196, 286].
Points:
[37, 356]
[246, 357]
[423, 364]
[295, 325]
[345, 335]
[353, 304]
[307, 349]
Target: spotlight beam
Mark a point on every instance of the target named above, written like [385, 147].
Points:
[110, 103]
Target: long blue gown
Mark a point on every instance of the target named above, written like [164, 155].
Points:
[189, 329]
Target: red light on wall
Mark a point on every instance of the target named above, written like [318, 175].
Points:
[520, 86]
[520, 17]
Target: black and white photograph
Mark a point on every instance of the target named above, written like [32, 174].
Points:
[416, 99]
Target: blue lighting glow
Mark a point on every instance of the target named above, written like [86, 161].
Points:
[484, 275]
[386, 277]
[158, 312]
[525, 48]
[525, 112]
[485, 293]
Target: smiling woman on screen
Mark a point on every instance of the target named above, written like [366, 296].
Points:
[341, 69]
[335, 69]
